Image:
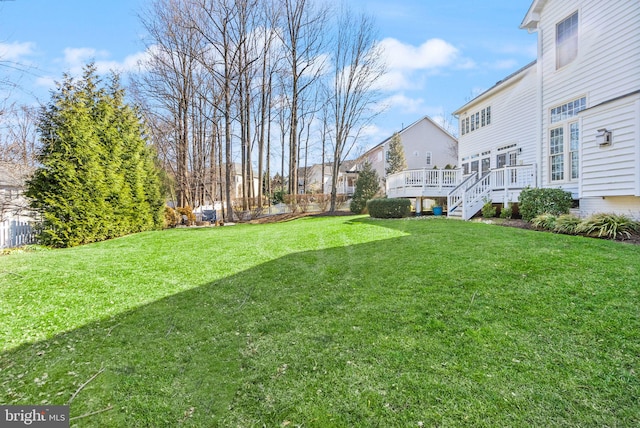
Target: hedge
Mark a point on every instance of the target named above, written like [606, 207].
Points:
[389, 208]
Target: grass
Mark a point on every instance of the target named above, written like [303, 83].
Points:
[341, 321]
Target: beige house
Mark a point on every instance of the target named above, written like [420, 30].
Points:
[426, 146]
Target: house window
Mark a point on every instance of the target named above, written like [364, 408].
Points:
[466, 124]
[473, 123]
[477, 120]
[465, 168]
[568, 110]
[429, 157]
[484, 117]
[567, 41]
[488, 115]
[475, 166]
[462, 126]
[556, 154]
[486, 165]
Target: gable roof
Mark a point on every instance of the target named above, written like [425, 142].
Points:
[532, 18]
[406, 128]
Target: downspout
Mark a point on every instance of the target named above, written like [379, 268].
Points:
[539, 107]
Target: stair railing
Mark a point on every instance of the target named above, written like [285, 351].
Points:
[455, 198]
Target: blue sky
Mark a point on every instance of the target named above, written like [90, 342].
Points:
[440, 53]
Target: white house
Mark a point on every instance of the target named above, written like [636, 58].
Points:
[569, 120]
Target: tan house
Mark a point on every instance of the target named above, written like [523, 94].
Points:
[426, 146]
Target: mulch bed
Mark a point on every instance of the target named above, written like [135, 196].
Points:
[521, 224]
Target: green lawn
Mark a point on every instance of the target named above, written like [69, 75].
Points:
[334, 321]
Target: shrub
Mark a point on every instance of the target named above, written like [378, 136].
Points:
[567, 224]
[544, 221]
[488, 210]
[536, 201]
[171, 217]
[611, 226]
[189, 218]
[367, 186]
[507, 212]
[278, 197]
[389, 208]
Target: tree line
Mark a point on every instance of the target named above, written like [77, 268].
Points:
[230, 82]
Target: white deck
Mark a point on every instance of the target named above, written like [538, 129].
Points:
[465, 194]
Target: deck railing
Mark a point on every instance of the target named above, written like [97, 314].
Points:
[423, 182]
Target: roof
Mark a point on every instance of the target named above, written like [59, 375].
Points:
[407, 128]
[532, 18]
[498, 86]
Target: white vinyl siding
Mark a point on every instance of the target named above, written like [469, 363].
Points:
[515, 101]
[612, 170]
[605, 67]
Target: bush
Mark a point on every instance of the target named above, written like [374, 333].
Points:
[611, 226]
[536, 201]
[189, 218]
[544, 221]
[488, 210]
[567, 224]
[389, 208]
[171, 217]
[367, 186]
[507, 212]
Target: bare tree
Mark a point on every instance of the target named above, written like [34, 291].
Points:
[304, 40]
[357, 67]
[18, 141]
[169, 81]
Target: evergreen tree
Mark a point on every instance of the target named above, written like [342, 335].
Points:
[396, 161]
[98, 178]
[366, 188]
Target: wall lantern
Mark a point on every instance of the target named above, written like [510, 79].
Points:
[604, 137]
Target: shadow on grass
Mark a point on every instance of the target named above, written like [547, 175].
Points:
[385, 333]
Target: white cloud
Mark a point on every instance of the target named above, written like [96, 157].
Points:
[15, 51]
[404, 104]
[409, 65]
[76, 58]
[431, 54]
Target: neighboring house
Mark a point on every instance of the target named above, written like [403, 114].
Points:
[570, 120]
[426, 146]
[312, 179]
[15, 215]
[315, 179]
[220, 185]
[13, 178]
